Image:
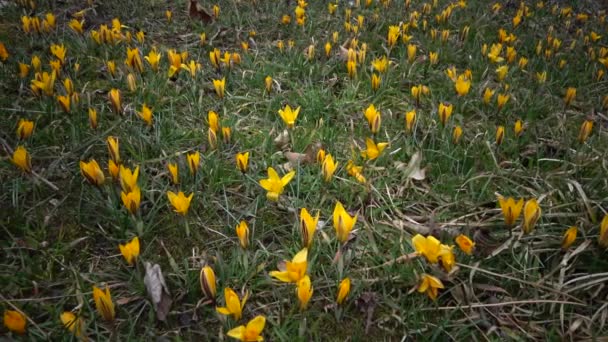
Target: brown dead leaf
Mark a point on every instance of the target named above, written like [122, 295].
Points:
[196, 11]
[158, 291]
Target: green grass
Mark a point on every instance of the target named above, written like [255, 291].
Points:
[58, 244]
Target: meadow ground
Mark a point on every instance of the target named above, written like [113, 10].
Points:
[111, 108]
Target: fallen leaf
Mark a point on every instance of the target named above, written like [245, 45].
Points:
[158, 291]
[412, 169]
[282, 140]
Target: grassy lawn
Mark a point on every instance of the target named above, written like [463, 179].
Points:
[435, 112]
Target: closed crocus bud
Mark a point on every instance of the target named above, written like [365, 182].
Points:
[328, 167]
[104, 304]
[456, 134]
[465, 244]
[569, 237]
[374, 118]
[220, 86]
[532, 213]
[308, 226]
[569, 96]
[268, 84]
[193, 159]
[242, 232]
[115, 101]
[113, 169]
[444, 111]
[603, 237]
[25, 129]
[226, 134]
[131, 82]
[73, 323]
[113, 148]
[207, 280]
[242, 161]
[343, 290]
[585, 131]
[22, 159]
[500, 135]
[173, 172]
[304, 292]
[410, 120]
[92, 172]
[93, 118]
[518, 128]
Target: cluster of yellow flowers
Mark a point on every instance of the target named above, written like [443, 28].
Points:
[55, 82]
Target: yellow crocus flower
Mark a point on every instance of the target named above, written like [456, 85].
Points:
[294, 270]
[130, 250]
[510, 209]
[532, 213]
[462, 85]
[289, 115]
[92, 172]
[146, 114]
[113, 148]
[465, 244]
[103, 303]
[250, 332]
[518, 128]
[304, 291]
[174, 172]
[74, 324]
[25, 129]
[15, 321]
[410, 120]
[569, 96]
[430, 285]
[456, 134]
[343, 222]
[500, 134]
[373, 150]
[220, 86]
[194, 159]
[180, 202]
[585, 131]
[234, 306]
[115, 101]
[374, 118]
[328, 167]
[128, 178]
[343, 290]
[274, 184]
[380, 64]
[131, 199]
[603, 236]
[444, 111]
[569, 237]
[208, 284]
[242, 232]
[242, 161]
[308, 227]
[76, 26]
[153, 59]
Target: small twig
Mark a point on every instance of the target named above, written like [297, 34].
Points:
[517, 302]
[403, 258]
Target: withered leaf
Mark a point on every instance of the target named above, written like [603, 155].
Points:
[158, 290]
